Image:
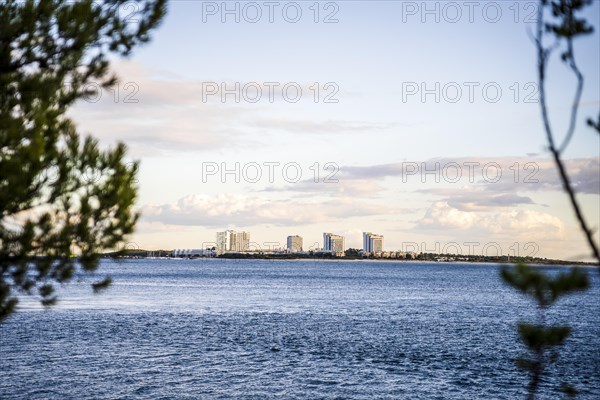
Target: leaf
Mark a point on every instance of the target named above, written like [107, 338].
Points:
[102, 285]
[569, 390]
[540, 337]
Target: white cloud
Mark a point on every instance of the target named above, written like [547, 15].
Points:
[506, 223]
[362, 188]
[240, 210]
[321, 127]
[476, 198]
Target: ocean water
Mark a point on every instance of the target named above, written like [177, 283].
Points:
[238, 329]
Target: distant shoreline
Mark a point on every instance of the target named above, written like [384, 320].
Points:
[421, 258]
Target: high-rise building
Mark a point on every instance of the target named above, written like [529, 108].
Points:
[335, 244]
[230, 240]
[372, 243]
[241, 241]
[224, 241]
[294, 243]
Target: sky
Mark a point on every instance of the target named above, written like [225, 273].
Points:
[416, 120]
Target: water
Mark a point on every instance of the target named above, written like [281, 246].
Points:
[234, 329]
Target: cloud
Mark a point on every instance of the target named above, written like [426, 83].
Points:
[495, 174]
[468, 184]
[321, 127]
[441, 216]
[506, 223]
[466, 198]
[480, 202]
[584, 174]
[238, 210]
[155, 112]
[356, 188]
[485, 184]
[155, 115]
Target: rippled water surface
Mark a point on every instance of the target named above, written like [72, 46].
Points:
[232, 329]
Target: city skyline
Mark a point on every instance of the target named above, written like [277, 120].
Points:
[233, 242]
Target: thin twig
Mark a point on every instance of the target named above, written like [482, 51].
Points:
[575, 107]
[542, 63]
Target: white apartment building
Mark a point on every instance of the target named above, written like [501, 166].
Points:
[335, 244]
[372, 242]
[294, 244]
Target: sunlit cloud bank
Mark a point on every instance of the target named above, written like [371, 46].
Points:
[245, 211]
[516, 224]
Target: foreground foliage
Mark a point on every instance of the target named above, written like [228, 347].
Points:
[542, 340]
[60, 195]
[559, 21]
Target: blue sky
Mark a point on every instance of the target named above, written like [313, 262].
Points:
[374, 53]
